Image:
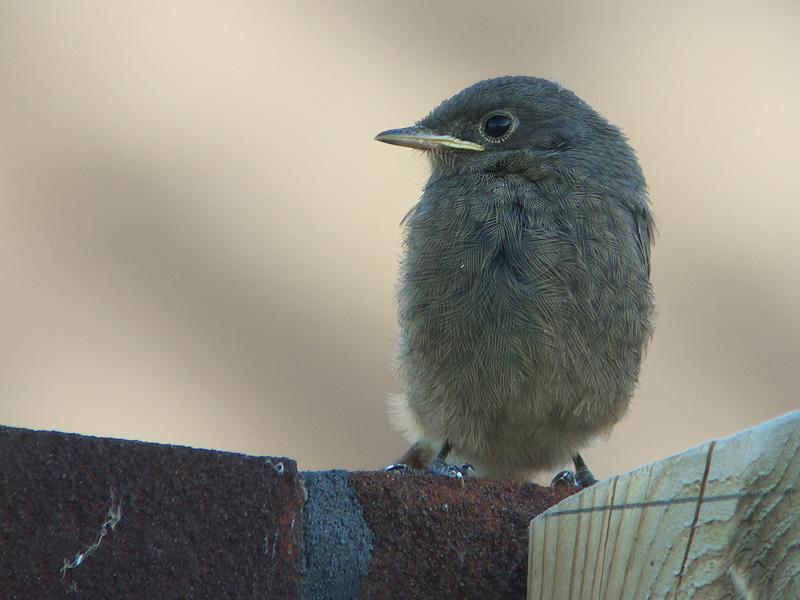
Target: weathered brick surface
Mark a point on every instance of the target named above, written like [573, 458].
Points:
[172, 522]
[84, 517]
[435, 537]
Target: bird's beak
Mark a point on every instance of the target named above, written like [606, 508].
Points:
[424, 139]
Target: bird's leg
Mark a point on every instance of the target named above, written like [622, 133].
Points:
[416, 457]
[580, 478]
[439, 465]
[582, 473]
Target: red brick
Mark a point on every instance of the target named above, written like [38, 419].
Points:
[435, 537]
[192, 523]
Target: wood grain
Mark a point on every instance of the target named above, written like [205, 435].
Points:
[721, 520]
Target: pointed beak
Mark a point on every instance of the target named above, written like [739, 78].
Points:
[424, 139]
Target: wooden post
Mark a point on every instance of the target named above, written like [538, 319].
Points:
[721, 520]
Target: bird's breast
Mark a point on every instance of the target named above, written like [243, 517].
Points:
[488, 270]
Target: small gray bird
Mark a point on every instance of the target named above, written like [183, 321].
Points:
[524, 297]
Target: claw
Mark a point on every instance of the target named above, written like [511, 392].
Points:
[398, 467]
[454, 471]
[440, 467]
[565, 479]
[581, 478]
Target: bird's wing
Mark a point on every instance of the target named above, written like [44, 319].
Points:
[644, 230]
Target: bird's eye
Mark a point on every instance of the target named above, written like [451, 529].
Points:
[496, 126]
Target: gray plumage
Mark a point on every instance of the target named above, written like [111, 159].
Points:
[524, 296]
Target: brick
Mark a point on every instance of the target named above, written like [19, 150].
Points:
[84, 517]
[435, 537]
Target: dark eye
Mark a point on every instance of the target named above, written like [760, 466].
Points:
[497, 126]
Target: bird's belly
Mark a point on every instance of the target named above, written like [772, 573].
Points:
[505, 364]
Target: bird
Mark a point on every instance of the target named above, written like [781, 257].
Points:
[524, 298]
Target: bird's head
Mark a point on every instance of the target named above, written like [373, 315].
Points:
[516, 125]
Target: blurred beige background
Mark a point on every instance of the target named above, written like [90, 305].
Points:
[199, 238]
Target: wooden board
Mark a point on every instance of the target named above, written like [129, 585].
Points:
[721, 520]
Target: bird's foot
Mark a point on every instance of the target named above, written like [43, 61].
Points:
[580, 478]
[398, 468]
[565, 479]
[573, 479]
[440, 467]
[437, 467]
